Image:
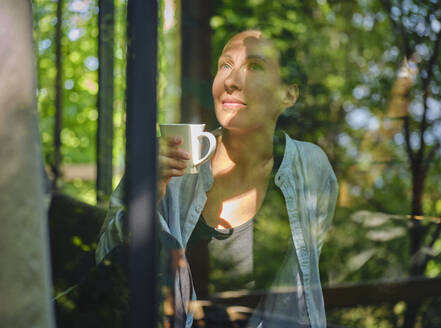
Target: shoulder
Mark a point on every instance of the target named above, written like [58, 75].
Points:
[311, 161]
[307, 152]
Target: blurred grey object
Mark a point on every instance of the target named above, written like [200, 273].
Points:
[24, 254]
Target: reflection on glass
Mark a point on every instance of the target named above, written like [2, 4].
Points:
[245, 194]
[368, 74]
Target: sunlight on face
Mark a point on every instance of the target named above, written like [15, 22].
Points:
[247, 88]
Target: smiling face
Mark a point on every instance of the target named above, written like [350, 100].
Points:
[247, 90]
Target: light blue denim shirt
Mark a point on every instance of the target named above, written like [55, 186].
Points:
[310, 189]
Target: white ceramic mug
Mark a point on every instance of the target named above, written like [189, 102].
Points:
[191, 135]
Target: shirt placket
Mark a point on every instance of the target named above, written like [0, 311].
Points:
[287, 184]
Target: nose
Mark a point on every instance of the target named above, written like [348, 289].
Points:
[233, 81]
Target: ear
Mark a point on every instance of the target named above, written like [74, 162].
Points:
[291, 93]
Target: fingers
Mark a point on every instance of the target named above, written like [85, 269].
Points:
[171, 159]
[177, 153]
[167, 172]
[169, 167]
[172, 163]
[169, 147]
[170, 141]
[170, 173]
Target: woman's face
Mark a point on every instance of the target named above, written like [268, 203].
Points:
[247, 89]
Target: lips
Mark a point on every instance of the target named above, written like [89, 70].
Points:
[233, 103]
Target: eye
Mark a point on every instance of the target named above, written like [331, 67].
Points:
[255, 67]
[224, 65]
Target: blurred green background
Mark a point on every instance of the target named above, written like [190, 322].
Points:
[369, 75]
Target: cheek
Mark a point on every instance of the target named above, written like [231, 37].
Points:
[263, 91]
[216, 88]
[216, 91]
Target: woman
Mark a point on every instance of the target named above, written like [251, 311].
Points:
[229, 192]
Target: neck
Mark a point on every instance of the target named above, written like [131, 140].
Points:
[245, 150]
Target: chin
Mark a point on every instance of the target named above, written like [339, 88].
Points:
[238, 121]
[240, 127]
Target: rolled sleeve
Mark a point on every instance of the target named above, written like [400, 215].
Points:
[112, 231]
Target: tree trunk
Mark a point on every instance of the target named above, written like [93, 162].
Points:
[24, 255]
[105, 101]
[416, 232]
[196, 101]
[58, 95]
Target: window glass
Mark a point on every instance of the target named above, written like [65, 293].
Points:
[297, 165]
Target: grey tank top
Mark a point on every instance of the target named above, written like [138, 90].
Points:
[230, 254]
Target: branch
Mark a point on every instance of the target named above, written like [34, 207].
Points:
[430, 156]
[426, 83]
[406, 44]
[410, 153]
[432, 9]
[399, 27]
[432, 62]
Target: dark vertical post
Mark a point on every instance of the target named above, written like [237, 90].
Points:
[196, 63]
[142, 17]
[105, 100]
[196, 100]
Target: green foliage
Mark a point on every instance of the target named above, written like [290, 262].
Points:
[345, 56]
[80, 84]
[364, 246]
[80, 63]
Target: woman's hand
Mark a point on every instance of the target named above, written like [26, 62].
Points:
[171, 162]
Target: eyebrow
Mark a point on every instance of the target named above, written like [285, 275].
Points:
[262, 58]
[259, 57]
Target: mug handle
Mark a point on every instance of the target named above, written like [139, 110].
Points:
[211, 150]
